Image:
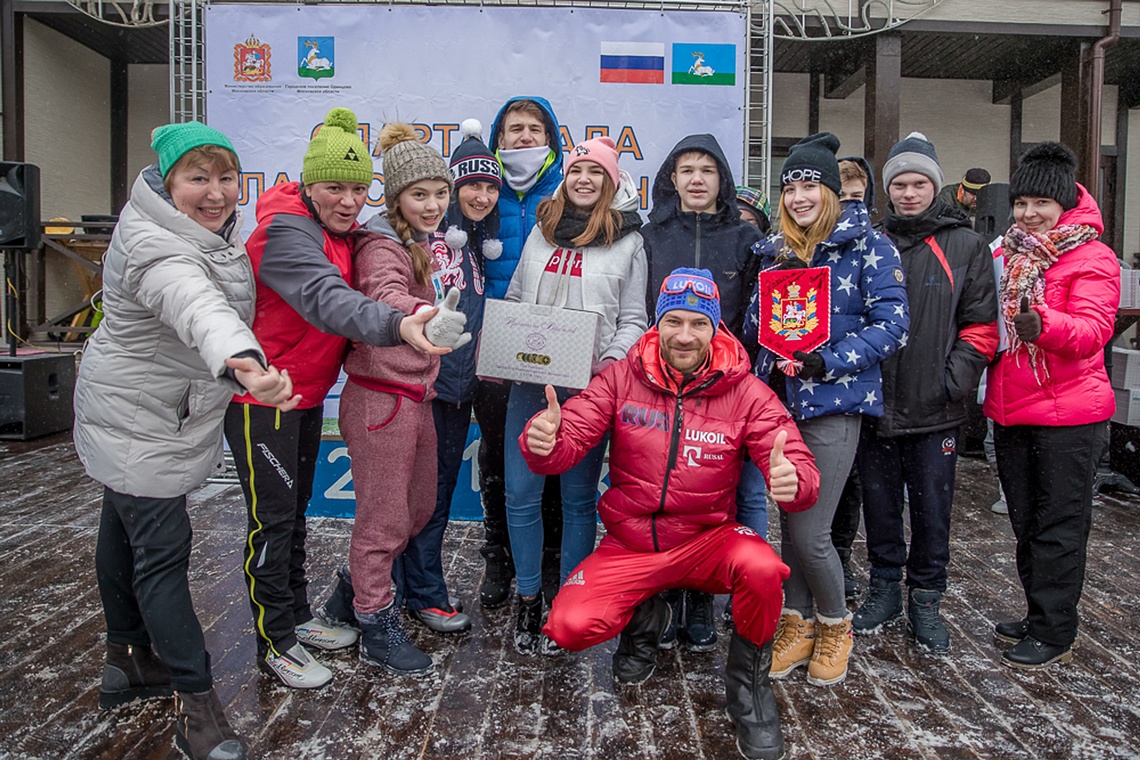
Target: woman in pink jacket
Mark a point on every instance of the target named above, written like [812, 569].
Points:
[1048, 393]
[384, 415]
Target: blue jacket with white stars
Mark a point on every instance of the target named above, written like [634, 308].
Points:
[869, 318]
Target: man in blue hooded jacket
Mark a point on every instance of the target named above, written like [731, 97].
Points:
[525, 138]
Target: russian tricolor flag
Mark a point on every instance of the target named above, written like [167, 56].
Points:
[640, 62]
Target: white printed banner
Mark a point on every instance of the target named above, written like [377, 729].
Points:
[645, 78]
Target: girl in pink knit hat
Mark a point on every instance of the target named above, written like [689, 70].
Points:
[585, 253]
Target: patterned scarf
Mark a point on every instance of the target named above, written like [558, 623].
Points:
[1027, 256]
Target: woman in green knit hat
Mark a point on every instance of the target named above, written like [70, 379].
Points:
[178, 301]
[307, 312]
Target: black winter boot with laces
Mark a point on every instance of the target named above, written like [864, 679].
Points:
[132, 672]
[385, 643]
[926, 621]
[882, 605]
[528, 625]
[698, 633]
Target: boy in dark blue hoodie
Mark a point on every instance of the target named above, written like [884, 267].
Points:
[695, 222]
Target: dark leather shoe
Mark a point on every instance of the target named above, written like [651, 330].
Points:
[1011, 631]
[1031, 654]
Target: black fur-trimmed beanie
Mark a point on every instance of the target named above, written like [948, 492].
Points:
[1047, 170]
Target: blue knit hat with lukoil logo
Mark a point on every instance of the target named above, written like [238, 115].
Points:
[690, 289]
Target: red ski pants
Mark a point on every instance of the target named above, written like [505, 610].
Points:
[600, 595]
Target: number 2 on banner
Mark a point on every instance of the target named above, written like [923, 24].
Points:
[338, 489]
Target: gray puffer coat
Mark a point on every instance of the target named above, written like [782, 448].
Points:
[152, 389]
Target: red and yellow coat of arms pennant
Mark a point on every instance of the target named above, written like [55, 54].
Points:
[795, 309]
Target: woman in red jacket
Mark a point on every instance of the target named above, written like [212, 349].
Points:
[1049, 395]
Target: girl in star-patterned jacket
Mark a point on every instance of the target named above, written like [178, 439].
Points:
[828, 390]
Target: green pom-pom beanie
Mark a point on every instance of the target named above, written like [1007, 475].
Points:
[336, 153]
[172, 141]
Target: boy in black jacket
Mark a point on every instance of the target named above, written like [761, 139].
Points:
[696, 223]
[953, 336]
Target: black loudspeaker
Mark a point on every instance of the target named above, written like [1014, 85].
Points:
[19, 206]
[35, 395]
[993, 215]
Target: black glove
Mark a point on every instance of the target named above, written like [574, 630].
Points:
[1027, 324]
[791, 262]
[813, 365]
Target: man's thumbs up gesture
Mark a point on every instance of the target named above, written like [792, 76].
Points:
[543, 429]
[782, 479]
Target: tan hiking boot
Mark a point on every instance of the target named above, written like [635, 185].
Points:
[832, 650]
[792, 645]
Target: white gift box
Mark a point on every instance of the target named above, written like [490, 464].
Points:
[538, 344]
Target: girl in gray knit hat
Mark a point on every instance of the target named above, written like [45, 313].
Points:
[384, 417]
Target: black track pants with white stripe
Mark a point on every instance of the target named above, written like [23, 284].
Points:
[276, 457]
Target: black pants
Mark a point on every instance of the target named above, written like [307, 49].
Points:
[1047, 474]
[418, 572]
[845, 524]
[491, 413]
[924, 463]
[276, 457]
[141, 561]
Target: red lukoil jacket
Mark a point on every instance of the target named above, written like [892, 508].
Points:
[675, 460]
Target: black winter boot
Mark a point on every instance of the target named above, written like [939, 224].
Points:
[675, 598]
[337, 609]
[882, 605]
[385, 643]
[528, 625]
[699, 631]
[751, 703]
[499, 571]
[926, 621]
[852, 588]
[551, 574]
[201, 730]
[132, 672]
[636, 655]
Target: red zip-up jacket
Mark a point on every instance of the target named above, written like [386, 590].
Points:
[675, 454]
[307, 309]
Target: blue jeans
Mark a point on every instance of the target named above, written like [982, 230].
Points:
[524, 496]
[752, 499]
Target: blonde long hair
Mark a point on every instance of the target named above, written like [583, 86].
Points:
[801, 241]
[604, 222]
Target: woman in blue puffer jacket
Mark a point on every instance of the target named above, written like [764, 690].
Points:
[829, 389]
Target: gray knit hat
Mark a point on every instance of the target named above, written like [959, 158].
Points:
[913, 154]
[407, 160]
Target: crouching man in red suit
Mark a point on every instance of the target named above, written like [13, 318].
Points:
[681, 409]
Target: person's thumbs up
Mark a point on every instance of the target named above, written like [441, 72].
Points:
[543, 430]
[1027, 322]
[782, 479]
[446, 327]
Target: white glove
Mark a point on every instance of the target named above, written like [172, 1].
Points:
[446, 327]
